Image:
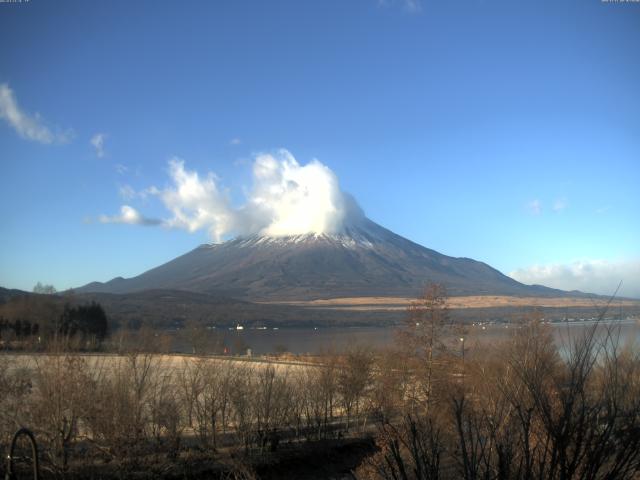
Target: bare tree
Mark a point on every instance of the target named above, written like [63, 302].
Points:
[424, 337]
[271, 405]
[412, 450]
[354, 379]
[165, 413]
[44, 289]
[240, 400]
[391, 385]
[211, 384]
[16, 386]
[57, 404]
[190, 385]
[120, 419]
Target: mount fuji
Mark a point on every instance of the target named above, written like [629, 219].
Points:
[362, 259]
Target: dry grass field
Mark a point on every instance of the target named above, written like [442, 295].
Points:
[167, 363]
[477, 301]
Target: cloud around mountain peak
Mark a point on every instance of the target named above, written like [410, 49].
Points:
[291, 199]
[286, 198]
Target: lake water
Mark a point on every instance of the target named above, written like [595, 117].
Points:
[314, 341]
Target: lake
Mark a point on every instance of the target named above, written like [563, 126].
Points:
[314, 341]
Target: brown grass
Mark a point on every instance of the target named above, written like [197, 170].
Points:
[476, 301]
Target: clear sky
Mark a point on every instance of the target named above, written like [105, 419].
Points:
[505, 131]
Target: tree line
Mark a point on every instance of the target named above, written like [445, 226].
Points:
[42, 319]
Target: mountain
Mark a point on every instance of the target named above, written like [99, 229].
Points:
[7, 294]
[363, 259]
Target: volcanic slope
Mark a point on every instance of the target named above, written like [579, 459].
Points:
[364, 259]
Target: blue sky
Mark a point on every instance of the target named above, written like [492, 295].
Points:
[505, 131]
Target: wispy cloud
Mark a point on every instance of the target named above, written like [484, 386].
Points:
[559, 205]
[593, 276]
[602, 209]
[129, 215]
[409, 6]
[126, 192]
[98, 143]
[413, 6]
[121, 169]
[28, 126]
[235, 141]
[534, 207]
[149, 192]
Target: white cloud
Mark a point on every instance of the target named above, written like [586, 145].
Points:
[98, 143]
[235, 141]
[31, 127]
[291, 199]
[535, 207]
[593, 276]
[130, 216]
[286, 198]
[196, 202]
[121, 169]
